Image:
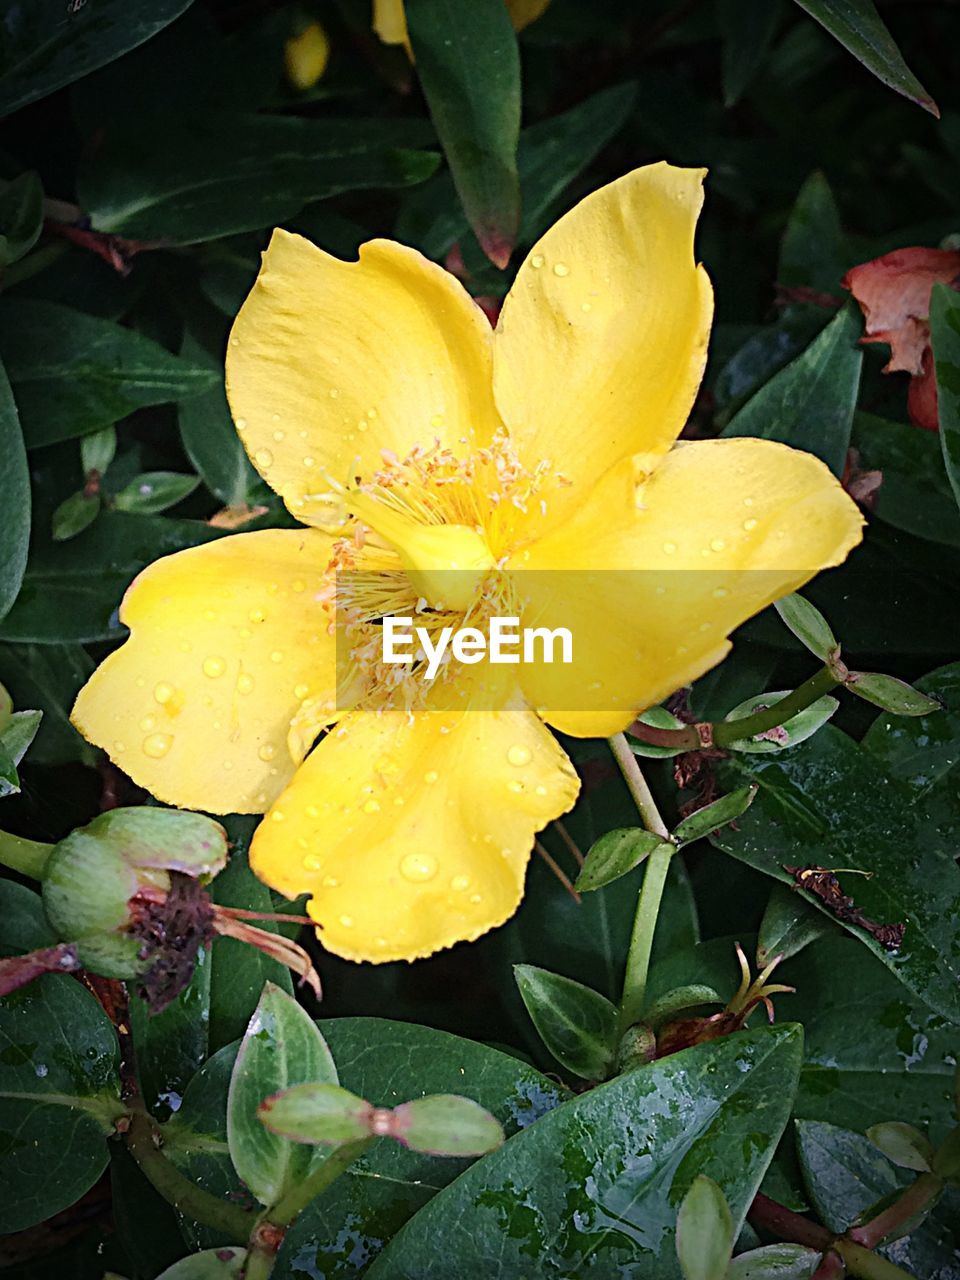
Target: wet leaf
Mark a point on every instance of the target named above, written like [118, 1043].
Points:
[904, 1144]
[789, 924]
[711, 817]
[945, 336]
[14, 499]
[614, 855]
[578, 1025]
[704, 1232]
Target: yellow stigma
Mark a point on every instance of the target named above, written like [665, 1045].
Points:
[446, 563]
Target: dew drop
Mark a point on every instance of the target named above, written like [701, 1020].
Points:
[371, 806]
[278, 816]
[119, 746]
[309, 461]
[537, 261]
[257, 615]
[148, 723]
[749, 525]
[267, 751]
[330, 882]
[669, 548]
[298, 585]
[418, 867]
[460, 883]
[561, 269]
[163, 692]
[431, 775]
[313, 862]
[717, 544]
[263, 458]
[214, 667]
[540, 789]
[748, 502]
[276, 656]
[518, 755]
[300, 691]
[720, 593]
[586, 307]
[279, 435]
[334, 393]
[157, 745]
[515, 786]
[476, 899]
[347, 921]
[244, 683]
[240, 423]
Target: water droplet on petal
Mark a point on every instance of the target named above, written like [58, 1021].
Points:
[214, 667]
[515, 786]
[157, 745]
[518, 755]
[263, 458]
[267, 751]
[720, 593]
[347, 921]
[148, 723]
[313, 862]
[561, 269]
[244, 683]
[750, 525]
[669, 548]
[460, 883]
[163, 692]
[330, 882]
[717, 544]
[257, 615]
[371, 806]
[278, 816]
[239, 423]
[431, 775]
[298, 585]
[537, 261]
[476, 898]
[119, 746]
[276, 656]
[540, 789]
[418, 867]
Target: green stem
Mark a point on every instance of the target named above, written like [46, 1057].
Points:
[177, 1189]
[727, 731]
[637, 786]
[651, 891]
[29, 857]
[867, 1265]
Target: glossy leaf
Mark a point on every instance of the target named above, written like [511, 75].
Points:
[810, 403]
[98, 450]
[48, 677]
[915, 494]
[155, 491]
[704, 1232]
[16, 735]
[21, 217]
[172, 1045]
[945, 337]
[615, 854]
[281, 1047]
[813, 251]
[469, 67]
[26, 927]
[211, 440]
[859, 28]
[577, 1024]
[775, 1262]
[828, 803]
[314, 1113]
[73, 373]
[793, 731]
[58, 1097]
[808, 624]
[48, 44]
[904, 1144]
[73, 515]
[219, 175]
[711, 817]
[598, 1180]
[14, 499]
[890, 693]
[789, 924]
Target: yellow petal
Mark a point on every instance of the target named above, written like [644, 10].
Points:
[602, 338]
[227, 640]
[523, 12]
[306, 56]
[412, 835]
[331, 362]
[651, 588]
[390, 21]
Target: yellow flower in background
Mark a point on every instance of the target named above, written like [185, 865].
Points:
[306, 55]
[410, 439]
[390, 21]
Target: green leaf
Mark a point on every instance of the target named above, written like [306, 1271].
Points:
[209, 437]
[58, 1098]
[677, 1000]
[614, 855]
[223, 1263]
[904, 1144]
[775, 1262]
[827, 802]
[704, 1232]
[217, 175]
[747, 28]
[73, 515]
[597, 1181]
[97, 450]
[73, 373]
[14, 499]
[238, 972]
[808, 624]
[915, 494]
[316, 1114]
[25, 925]
[282, 1047]
[172, 1045]
[15, 737]
[793, 731]
[469, 67]
[386, 1062]
[445, 1124]
[813, 252]
[845, 1175]
[48, 677]
[810, 403]
[945, 337]
[789, 924]
[155, 491]
[859, 28]
[21, 217]
[890, 693]
[48, 44]
[713, 816]
[578, 1025]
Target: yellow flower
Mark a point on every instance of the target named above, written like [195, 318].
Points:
[390, 21]
[409, 438]
[306, 56]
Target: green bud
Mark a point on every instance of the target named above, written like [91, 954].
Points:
[704, 1232]
[891, 694]
[446, 1125]
[638, 1046]
[317, 1113]
[808, 625]
[714, 816]
[95, 873]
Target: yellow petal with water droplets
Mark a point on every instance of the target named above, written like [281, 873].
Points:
[331, 362]
[602, 338]
[412, 835]
[652, 585]
[226, 641]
